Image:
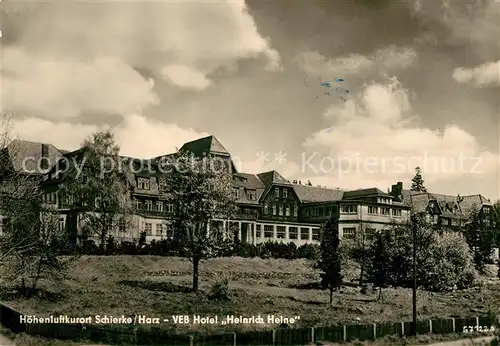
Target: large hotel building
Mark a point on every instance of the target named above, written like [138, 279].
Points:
[271, 208]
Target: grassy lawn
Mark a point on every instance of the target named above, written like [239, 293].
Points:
[158, 287]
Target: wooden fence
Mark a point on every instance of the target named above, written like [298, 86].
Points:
[10, 318]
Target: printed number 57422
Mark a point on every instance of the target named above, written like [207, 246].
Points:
[470, 329]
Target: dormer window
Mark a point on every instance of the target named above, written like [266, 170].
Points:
[276, 191]
[143, 183]
[251, 195]
[285, 193]
[236, 192]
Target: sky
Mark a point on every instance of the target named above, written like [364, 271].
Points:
[344, 94]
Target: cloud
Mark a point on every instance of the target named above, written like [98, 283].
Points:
[374, 139]
[481, 76]
[85, 57]
[136, 135]
[385, 59]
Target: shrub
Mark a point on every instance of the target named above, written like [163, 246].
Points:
[220, 290]
[245, 250]
[443, 263]
[309, 251]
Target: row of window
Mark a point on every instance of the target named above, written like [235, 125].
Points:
[350, 209]
[249, 193]
[293, 232]
[281, 210]
[158, 206]
[160, 229]
[145, 184]
[350, 233]
[284, 193]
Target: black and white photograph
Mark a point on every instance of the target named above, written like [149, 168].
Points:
[249, 172]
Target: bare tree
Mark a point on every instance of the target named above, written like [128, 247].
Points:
[30, 242]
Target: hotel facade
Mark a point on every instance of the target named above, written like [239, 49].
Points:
[270, 207]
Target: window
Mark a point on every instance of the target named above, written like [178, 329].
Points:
[62, 224]
[304, 233]
[148, 228]
[159, 229]
[274, 209]
[370, 234]
[316, 234]
[276, 191]
[349, 209]
[159, 206]
[122, 225]
[285, 193]
[385, 211]
[334, 210]
[321, 211]
[349, 232]
[281, 232]
[236, 192]
[143, 183]
[293, 232]
[307, 212]
[170, 208]
[396, 212]
[287, 210]
[314, 212]
[372, 210]
[169, 230]
[268, 231]
[258, 231]
[295, 210]
[251, 195]
[149, 205]
[137, 204]
[162, 184]
[280, 209]
[266, 209]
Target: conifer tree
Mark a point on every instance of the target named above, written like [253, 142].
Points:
[330, 260]
[417, 183]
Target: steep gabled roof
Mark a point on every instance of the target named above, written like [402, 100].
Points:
[205, 145]
[24, 156]
[313, 194]
[272, 177]
[251, 182]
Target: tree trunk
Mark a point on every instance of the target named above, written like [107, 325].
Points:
[361, 275]
[379, 293]
[37, 276]
[331, 296]
[196, 266]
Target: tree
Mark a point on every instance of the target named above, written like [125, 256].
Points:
[96, 185]
[417, 183]
[330, 260]
[201, 190]
[379, 272]
[31, 241]
[479, 232]
[357, 250]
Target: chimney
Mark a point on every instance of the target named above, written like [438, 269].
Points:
[397, 189]
[44, 164]
[300, 182]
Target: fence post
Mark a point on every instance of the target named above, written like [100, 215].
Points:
[374, 331]
[403, 329]
[135, 335]
[191, 340]
[430, 326]
[344, 333]
[477, 323]
[312, 335]
[453, 323]
[274, 336]
[234, 339]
